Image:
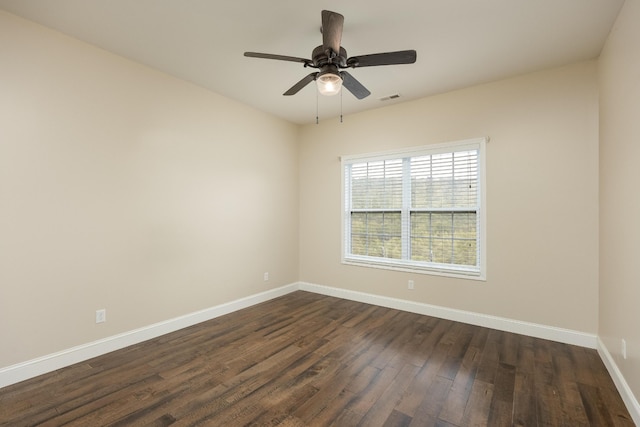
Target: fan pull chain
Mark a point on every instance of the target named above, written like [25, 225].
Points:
[317, 122]
[341, 105]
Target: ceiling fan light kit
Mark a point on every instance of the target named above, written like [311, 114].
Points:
[329, 81]
[330, 58]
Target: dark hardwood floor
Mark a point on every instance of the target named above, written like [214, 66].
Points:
[311, 360]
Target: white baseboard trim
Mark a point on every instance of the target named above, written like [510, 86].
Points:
[51, 362]
[633, 406]
[552, 333]
[41, 365]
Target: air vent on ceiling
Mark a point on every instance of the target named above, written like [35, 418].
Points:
[387, 98]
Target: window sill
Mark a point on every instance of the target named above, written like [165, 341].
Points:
[417, 269]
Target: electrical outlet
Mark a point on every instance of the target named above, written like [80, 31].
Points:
[266, 277]
[623, 348]
[410, 284]
[101, 316]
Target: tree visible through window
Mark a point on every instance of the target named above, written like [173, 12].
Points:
[418, 209]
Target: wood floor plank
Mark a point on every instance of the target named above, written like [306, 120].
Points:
[388, 400]
[476, 413]
[311, 360]
[490, 358]
[339, 387]
[457, 400]
[369, 397]
[397, 419]
[502, 403]
[421, 385]
[432, 402]
[524, 399]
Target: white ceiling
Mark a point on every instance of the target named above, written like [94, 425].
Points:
[459, 42]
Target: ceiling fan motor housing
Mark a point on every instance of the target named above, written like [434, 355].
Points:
[321, 57]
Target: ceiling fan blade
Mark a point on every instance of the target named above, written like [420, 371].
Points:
[332, 24]
[388, 58]
[278, 57]
[354, 86]
[302, 83]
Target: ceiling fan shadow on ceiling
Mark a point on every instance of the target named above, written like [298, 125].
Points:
[331, 58]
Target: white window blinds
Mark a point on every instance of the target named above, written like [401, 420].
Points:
[417, 209]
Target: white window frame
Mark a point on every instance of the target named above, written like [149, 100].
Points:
[450, 270]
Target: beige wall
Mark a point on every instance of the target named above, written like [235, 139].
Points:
[126, 189]
[542, 195]
[619, 73]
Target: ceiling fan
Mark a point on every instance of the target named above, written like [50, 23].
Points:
[330, 58]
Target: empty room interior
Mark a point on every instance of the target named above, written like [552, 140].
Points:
[181, 243]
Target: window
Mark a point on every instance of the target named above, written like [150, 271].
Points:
[420, 210]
